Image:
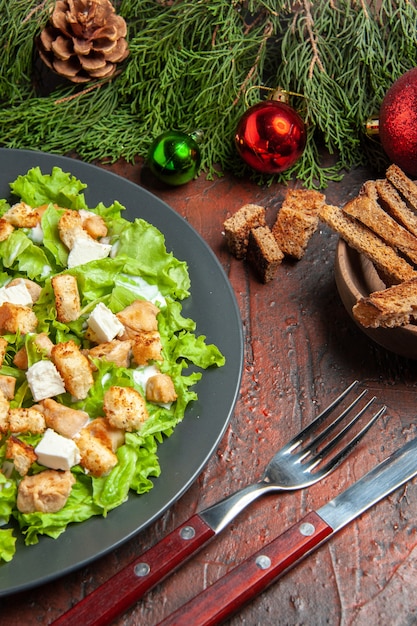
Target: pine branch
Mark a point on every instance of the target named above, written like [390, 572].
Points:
[200, 65]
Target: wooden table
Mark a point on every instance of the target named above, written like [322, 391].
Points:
[301, 350]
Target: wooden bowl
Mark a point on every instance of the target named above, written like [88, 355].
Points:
[356, 277]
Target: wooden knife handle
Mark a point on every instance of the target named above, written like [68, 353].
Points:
[246, 581]
[127, 586]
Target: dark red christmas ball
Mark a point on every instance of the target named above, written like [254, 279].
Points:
[398, 122]
[270, 136]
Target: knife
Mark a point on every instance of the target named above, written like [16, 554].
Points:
[246, 581]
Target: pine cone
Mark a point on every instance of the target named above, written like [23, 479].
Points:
[83, 40]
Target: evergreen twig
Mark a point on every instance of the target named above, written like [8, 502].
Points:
[197, 65]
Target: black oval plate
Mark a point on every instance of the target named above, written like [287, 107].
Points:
[213, 306]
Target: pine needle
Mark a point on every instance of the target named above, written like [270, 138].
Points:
[199, 65]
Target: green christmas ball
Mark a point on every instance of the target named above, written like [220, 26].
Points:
[174, 157]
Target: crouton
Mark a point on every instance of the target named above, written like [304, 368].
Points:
[63, 419]
[238, 226]
[74, 368]
[70, 228]
[137, 317]
[6, 229]
[4, 413]
[45, 492]
[33, 288]
[7, 385]
[125, 408]
[147, 347]
[160, 389]
[93, 224]
[101, 428]
[264, 253]
[29, 420]
[96, 457]
[17, 318]
[67, 298]
[3, 349]
[43, 345]
[115, 351]
[21, 215]
[21, 453]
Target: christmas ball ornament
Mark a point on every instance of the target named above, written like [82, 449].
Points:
[83, 40]
[174, 157]
[270, 136]
[398, 122]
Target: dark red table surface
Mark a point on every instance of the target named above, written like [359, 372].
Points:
[301, 350]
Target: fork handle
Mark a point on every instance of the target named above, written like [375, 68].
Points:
[126, 587]
[246, 581]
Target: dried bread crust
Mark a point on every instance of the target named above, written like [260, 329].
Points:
[394, 306]
[297, 221]
[367, 210]
[264, 252]
[368, 243]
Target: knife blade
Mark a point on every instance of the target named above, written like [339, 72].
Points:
[246, 581]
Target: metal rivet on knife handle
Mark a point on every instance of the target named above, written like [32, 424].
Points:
[307, 530]
[263, 561]
[142, 569]
[188, 532]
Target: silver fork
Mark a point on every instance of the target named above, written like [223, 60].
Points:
[303, 461]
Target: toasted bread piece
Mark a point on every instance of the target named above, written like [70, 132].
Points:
[21, 453]
[264, 253]
[21, 215]
[67, 297]
[392, 203]
[359, 237]
[3, 349]
[4, 413]
[365, 209]
[6, 229]
[17, 318]
[147, 347]
[28, 420]
[74, 367]
[125, 408]
[297, 220]
[390, 307]
[406, 187]
[238, 226]
[96, 456]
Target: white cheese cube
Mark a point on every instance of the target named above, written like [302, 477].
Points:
[104, 324]
[16, 294]
[85, 250]
[57, 452]
[44, 380]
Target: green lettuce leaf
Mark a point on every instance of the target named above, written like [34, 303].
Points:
[7, 544]
[61, 188]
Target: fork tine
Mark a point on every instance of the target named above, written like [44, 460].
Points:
[308, 430]
[340, 456]
[314, 444]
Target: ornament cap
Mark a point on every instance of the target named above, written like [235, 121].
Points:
[280, 95]
[372, 126]
[197, 135]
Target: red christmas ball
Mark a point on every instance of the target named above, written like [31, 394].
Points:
[398, 122]
[270, 137]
